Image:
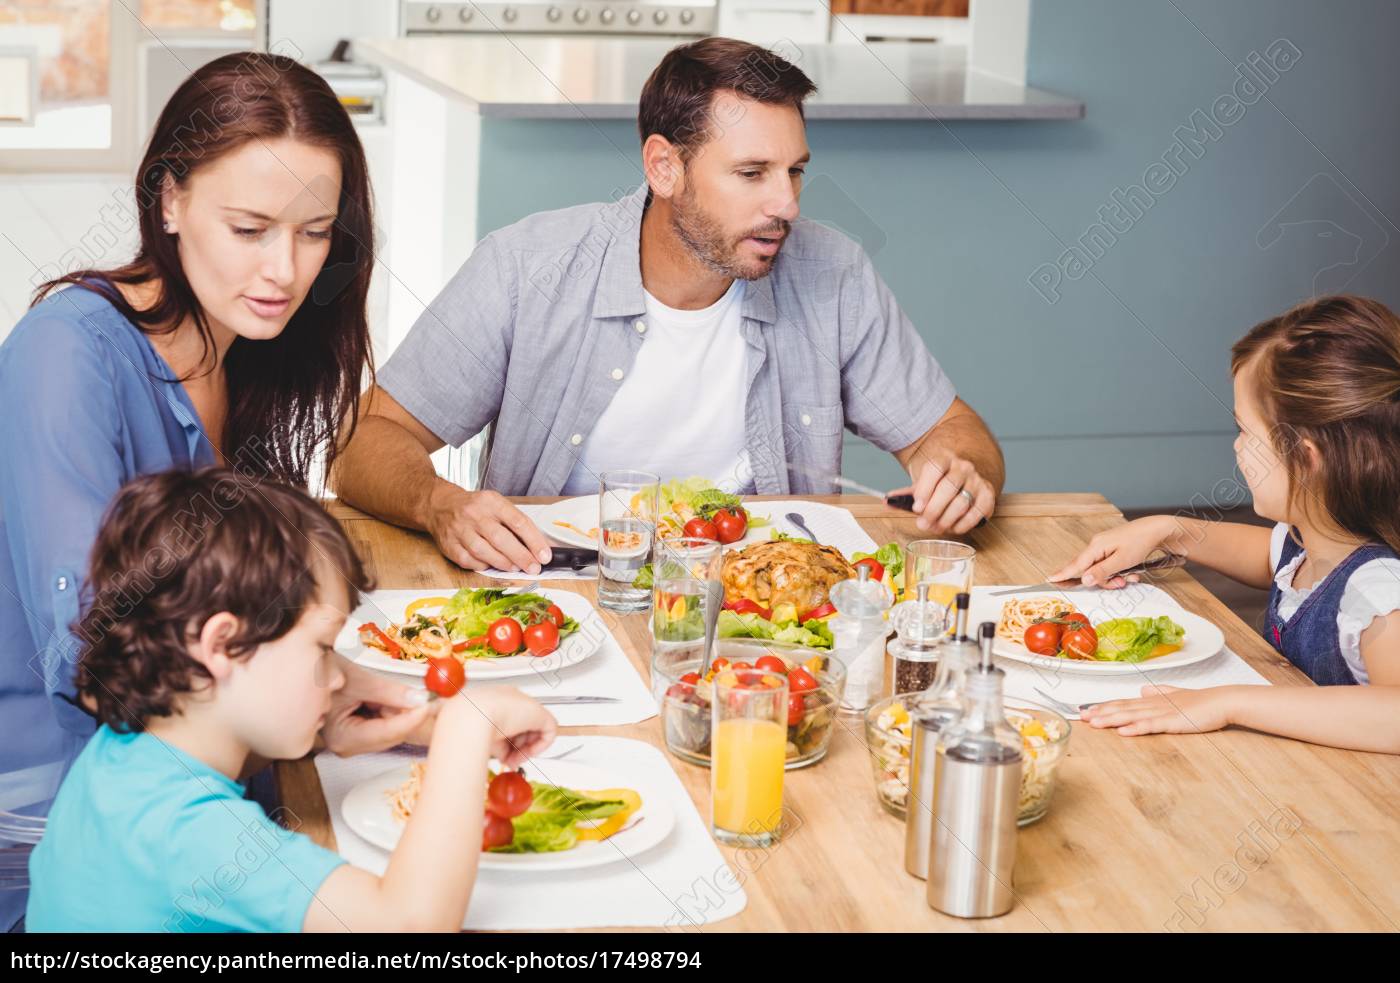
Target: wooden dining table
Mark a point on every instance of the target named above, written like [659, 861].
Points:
[1227, 831]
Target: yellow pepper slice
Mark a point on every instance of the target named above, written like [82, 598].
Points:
[424, 602]
[616, 821]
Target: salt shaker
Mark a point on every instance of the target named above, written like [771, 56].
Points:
[976, 788]
[858, 631]
[937, 706]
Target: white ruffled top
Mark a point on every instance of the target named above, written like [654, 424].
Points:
[1372, 592]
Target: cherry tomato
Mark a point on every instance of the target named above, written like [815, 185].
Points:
[505, 636]
[1080, 642]
[797, 706]
[772, 663]
[746, 606]
[877, 569]
[542, 639]
[509, 794]
[496, 831]
[821, 611]
[742, 665]
[1043, 638]
[691, 677]
[698, 528]
[445, 676]
[801, 681]
[719, 664]
[731, 526]
[1074, 616]
[556, 616]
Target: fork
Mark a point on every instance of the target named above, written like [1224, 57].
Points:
[1067, 709]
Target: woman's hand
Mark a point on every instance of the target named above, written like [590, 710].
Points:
[1165, 710]
[1117, 549]
[371, 713]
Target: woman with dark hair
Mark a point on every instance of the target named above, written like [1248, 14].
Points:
[236, 336]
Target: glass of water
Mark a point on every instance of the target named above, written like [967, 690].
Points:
[680, 569]
[627, 504]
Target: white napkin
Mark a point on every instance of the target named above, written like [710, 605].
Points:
[831, 524]
[1224, 669]
[681, 883]
[606, 673]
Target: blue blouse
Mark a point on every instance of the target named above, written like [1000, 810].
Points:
[86, 404]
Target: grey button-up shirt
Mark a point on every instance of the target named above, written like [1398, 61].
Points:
[537, 329]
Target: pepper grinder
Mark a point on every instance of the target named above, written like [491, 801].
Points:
[976, 788]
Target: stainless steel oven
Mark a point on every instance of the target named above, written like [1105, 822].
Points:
[586, 18]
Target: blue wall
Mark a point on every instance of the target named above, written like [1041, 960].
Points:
[1121, 384]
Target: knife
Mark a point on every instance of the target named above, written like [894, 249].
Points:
[1168, 562]
[571, 558]
[575, 700]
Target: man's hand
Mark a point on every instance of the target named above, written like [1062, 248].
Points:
[370, 713]
[477, 530]
[950, 495]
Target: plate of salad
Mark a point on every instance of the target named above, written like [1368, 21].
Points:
[494, 632]
[687, 507]
[1096, 632]
[563, 815]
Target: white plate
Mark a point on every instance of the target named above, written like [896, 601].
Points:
[366, 810]
[582, 513]
[383, 606]
[1203, 639]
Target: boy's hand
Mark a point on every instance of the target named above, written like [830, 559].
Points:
[1165, 710]
[1114, 550]
[519, 727]
[371, 713]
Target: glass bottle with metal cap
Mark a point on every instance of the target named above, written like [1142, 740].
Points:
[976, 787]
[938, 706]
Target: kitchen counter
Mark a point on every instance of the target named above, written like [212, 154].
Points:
[602, 78]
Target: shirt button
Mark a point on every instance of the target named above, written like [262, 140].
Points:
[576, 439]
[62, 583]
[617, 373]
[641, 327]
[806, 420]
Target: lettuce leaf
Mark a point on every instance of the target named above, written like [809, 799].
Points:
[1133, 639]
[890, 556]
[814, 634]
[548, 826]
[470, 611]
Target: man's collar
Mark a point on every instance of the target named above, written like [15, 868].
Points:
[620, 292]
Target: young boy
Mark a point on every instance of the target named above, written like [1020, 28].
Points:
[202, 648]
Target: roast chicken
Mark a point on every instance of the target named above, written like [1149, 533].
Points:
[784, 572]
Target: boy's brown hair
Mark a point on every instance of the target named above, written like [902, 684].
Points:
[1328, 371]
[676, 99]
[177, 548]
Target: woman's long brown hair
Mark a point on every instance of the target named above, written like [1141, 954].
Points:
[1327, 372]
[289, 395]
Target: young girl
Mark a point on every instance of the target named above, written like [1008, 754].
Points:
[208, 638]
[1317, 404]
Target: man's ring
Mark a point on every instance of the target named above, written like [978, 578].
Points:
[967, 495]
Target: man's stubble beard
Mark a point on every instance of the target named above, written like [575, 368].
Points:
[704, 239]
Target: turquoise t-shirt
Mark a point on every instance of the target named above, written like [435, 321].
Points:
[144, 838]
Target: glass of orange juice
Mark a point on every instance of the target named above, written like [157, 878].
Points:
[748, 748]
[944, 565]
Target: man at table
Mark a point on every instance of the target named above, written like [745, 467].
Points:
[696, 326]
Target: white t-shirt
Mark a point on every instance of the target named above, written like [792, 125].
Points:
[680, 410]
[1372, 592]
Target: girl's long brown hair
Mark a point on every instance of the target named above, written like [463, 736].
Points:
[1328, 372]
[288, 395]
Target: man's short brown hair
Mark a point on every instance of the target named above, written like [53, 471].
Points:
[676, 100]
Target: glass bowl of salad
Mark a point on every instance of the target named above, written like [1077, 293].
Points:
[816, 681]
[1044, 742]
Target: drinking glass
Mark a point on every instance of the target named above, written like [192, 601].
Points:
[748, 749]
[626, 527]
[944, 565]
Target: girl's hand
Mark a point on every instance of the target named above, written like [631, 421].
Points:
[1114, 550]
[518, 726]
[1165, 710]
